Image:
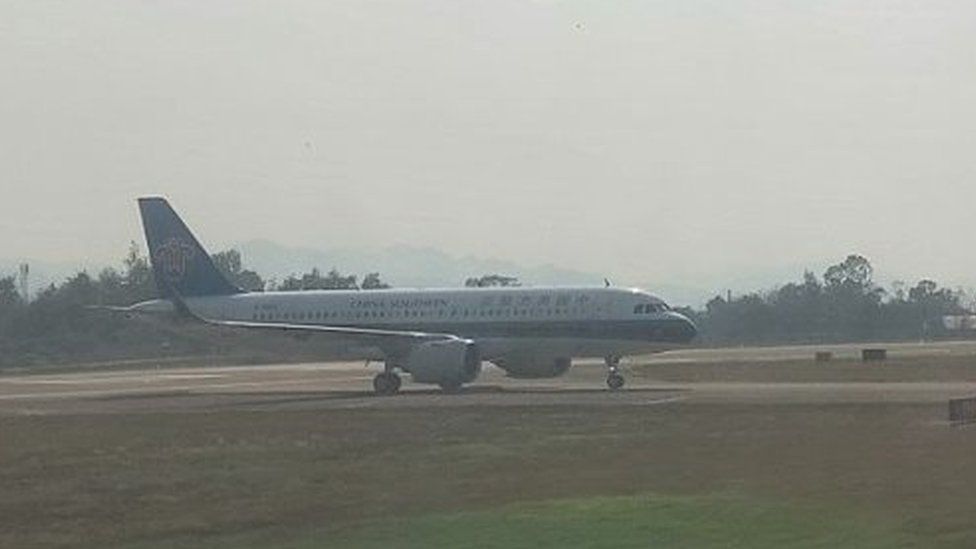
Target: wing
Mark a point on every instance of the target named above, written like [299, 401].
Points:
[391, 342]
[113, 309]
[366, 333]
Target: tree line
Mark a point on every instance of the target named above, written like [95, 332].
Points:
[844, 304]
[57, 325]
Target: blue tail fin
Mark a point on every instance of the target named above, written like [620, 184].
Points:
[178, 260]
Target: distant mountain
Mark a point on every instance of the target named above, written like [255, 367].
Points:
[406, 266]
[401, 266]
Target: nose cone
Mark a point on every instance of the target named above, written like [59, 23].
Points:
[684, 329]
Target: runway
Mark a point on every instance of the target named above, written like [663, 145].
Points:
[348, 385]
[302, 386]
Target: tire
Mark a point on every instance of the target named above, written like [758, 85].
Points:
[386, 384]
[615, 381]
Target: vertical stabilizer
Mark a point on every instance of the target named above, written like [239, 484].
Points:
[178, 260]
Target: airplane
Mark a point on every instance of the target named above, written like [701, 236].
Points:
[437, 336]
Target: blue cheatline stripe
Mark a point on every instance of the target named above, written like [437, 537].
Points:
[644, 330]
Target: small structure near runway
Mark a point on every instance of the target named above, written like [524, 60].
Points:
[962, 410]
[874, 355]
[823, 356]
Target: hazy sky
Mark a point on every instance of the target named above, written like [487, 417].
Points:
[649, 140]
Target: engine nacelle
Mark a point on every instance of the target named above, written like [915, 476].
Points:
[533, 367]
[452, 361]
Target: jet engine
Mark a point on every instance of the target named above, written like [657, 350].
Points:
[448, 363]
[533, 367]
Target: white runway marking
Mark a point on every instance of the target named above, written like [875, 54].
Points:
[79, 380]
[191, 376]
[136, 391]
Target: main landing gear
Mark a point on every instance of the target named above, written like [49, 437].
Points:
[387, 382]
[615, 380]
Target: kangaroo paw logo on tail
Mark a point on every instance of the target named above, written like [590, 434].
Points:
[173, 258]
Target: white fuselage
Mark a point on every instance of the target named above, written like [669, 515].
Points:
[544, 321]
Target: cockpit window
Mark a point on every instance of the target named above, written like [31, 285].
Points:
[639, 309]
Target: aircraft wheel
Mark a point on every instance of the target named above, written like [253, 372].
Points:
[615, 381]
[386, 383]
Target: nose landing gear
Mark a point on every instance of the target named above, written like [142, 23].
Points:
[615, 380]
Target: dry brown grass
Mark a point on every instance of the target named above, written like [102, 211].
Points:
[98, 480]
[108, 478]
[895, 369]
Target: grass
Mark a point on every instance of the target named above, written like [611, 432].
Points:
[682, 474]
[687, 522]
[637, 521]
[428, 476]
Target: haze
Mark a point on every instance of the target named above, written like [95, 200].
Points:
[651, 141]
